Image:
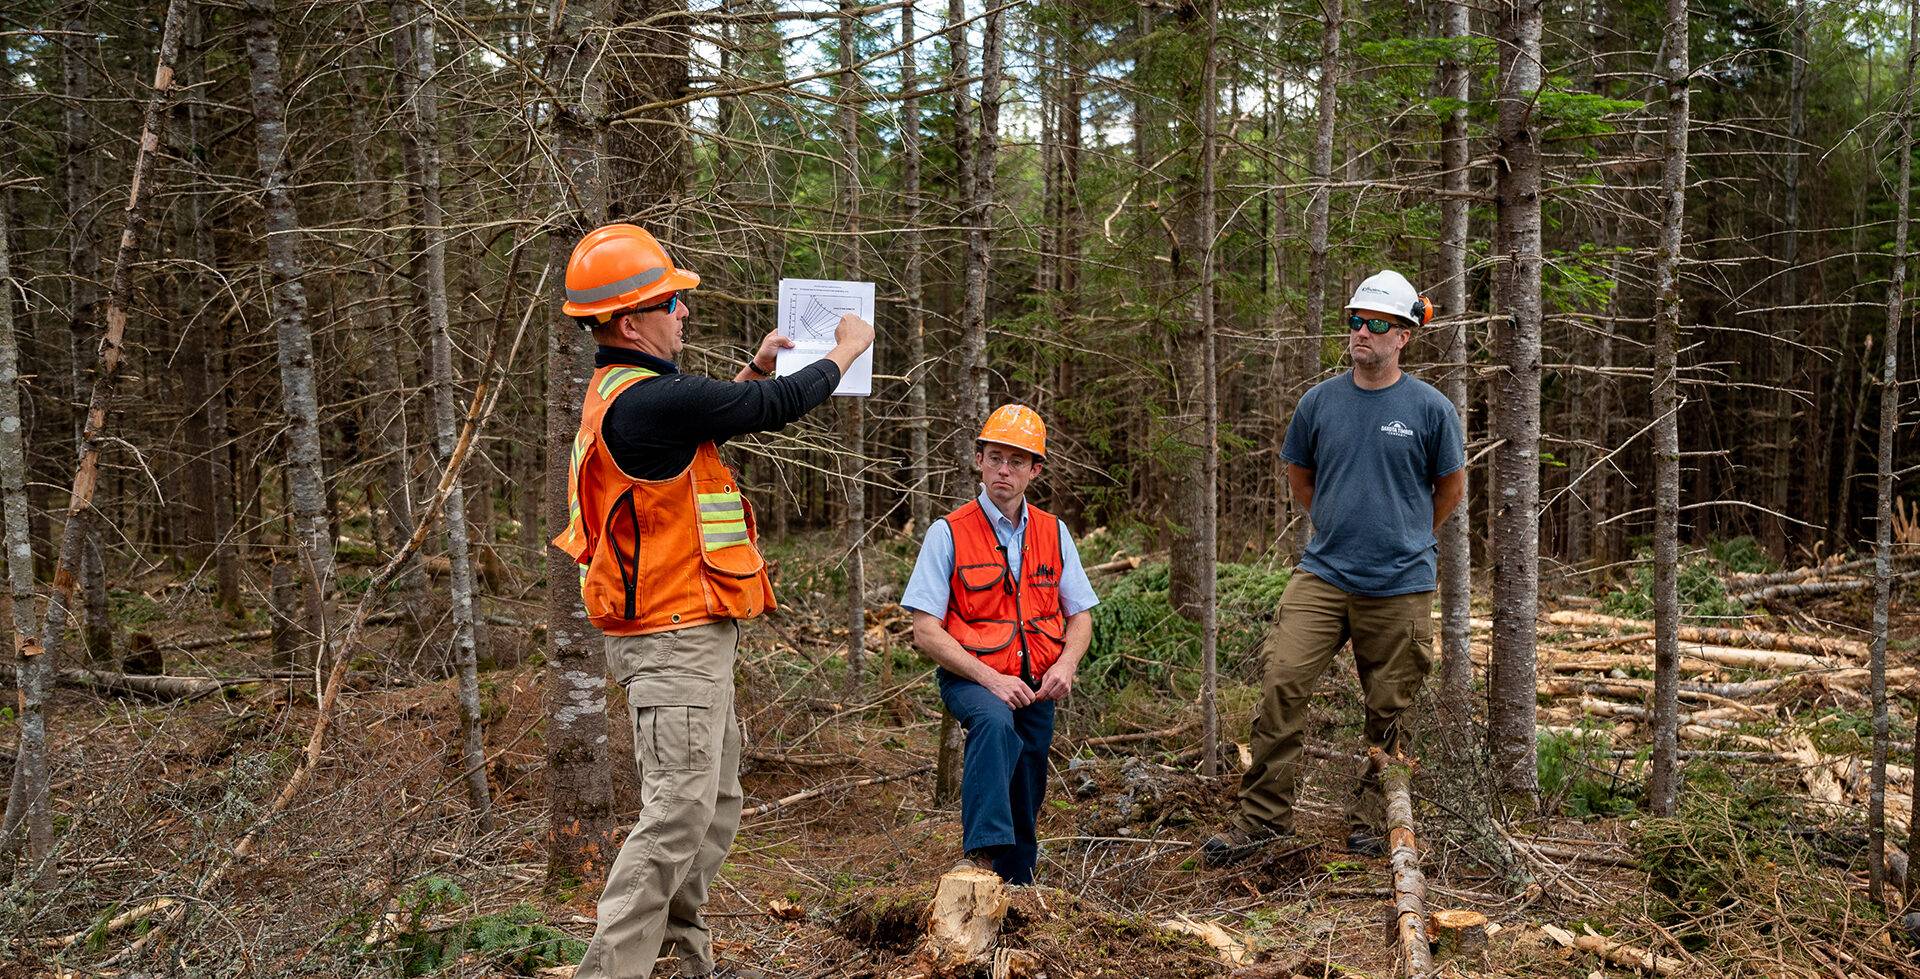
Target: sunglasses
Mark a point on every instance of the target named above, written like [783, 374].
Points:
[672, 304]
[1355, 321]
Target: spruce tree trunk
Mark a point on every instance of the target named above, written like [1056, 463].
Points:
[853, 513]
[985, 150]
[1516, 414]
[413, 45]
[387, 410]
[1883, 483]
[914, 282]
[579, 784]
[1318, 206]
[1788, 446]
[306, 482]
[1456, 552]
[1209, 530]
[1663, 776]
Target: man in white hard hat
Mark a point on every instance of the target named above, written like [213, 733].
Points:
[1377, 456]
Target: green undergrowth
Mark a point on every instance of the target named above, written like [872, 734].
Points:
[517, 941]
[1702, 592]
[1139, 637]
[1739, 850]
[1577, 778]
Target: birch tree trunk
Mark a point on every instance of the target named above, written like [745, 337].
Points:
[579, 785]
[305, 480]
[1456, 552]
[914, 285]
[1889, 430]
[1663, 776]
[414, 58]
[1516, 414]
[28, 805]
[853, 513]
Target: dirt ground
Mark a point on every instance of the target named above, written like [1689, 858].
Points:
[380, 854]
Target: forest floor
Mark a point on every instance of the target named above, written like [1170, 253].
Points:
[380, 869]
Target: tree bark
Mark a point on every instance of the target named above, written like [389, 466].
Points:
[1663, 776]
[1209, 530]
[853, 513]
[1318, 207]
[306, 481]
[1787, 447]
[1889, 431]
[1516, 414]
[914, 284]
[979, 223]
[647, 157]
[78, 166]
[1456, 551]
[28, 806]
[579, 787]
[413, 49]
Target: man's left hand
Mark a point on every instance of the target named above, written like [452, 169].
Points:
[1057, 682]
[767, 357]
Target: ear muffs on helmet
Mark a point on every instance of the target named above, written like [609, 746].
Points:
[1422, 312]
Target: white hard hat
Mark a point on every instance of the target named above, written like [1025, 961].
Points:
[1390, 292]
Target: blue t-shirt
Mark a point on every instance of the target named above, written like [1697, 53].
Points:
[1375, 456]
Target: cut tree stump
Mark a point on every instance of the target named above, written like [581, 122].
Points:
[1456, 932]
[963, 922]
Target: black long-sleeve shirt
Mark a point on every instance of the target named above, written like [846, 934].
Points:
[653, 427]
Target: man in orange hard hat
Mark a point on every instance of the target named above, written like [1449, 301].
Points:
[669, 567]
[1001, 603]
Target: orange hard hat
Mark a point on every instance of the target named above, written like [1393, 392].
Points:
[617, 268]
[1018, 426]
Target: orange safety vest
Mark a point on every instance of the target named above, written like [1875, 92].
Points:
[657, 554]
[1014, 626]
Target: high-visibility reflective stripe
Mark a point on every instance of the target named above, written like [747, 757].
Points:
[613, 379]
[715, 542]
[717, 497]
[638, 280]
[730, 502]
[718, 530]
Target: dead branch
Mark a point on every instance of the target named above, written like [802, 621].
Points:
[1409, 883]
[820, 790]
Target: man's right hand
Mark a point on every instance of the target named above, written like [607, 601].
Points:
[850, 339]
[1011, 690]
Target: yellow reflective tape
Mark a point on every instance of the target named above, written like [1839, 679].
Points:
[717, 530]
[726, 497]
[619, 376]
[729, 515]
[712, 546]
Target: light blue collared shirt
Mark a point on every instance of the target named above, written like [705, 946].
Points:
[932, 581]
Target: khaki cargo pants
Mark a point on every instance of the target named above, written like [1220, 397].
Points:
[1392, 646]
[686, 743]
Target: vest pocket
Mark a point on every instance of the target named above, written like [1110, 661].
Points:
[1051, 626]
[983, 637]
[726, 540]
[980, 577]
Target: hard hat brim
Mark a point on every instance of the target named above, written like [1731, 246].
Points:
[1042, 456]
[674, 281]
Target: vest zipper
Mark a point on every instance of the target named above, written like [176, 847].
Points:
[629, 583]
[1019, 616]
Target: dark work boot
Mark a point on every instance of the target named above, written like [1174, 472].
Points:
[1234, 844]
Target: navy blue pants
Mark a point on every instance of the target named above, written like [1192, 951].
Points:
[1005, 774]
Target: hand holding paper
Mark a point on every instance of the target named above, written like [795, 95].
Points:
[831, 319]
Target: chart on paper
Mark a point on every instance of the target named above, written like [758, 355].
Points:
[809, 314]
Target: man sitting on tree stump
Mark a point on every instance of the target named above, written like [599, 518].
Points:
[1375, 455]
[1001, 603]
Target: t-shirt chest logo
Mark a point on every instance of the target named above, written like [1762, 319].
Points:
[1397, 428]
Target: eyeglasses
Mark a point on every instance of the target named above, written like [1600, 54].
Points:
[672, 304]
[1355, 321]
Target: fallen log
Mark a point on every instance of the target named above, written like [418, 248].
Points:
[1811, 589]
[820, 790]
[1748, 582]
[1118, 564]
[1403, 848]
[1618, 953]
[1744, 638]
[963, 921]
[156, 687]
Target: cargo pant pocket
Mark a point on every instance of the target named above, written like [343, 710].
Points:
[673, 722]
